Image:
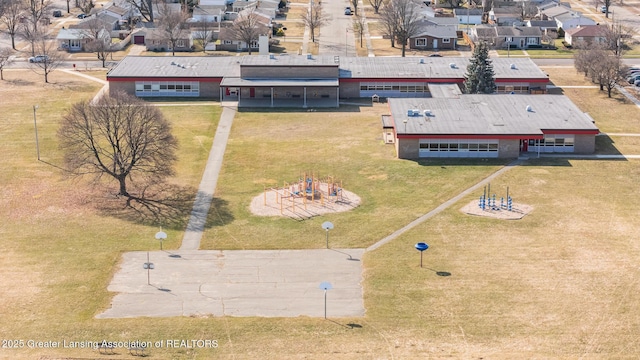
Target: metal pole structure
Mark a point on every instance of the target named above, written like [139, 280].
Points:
[35, 126]
[421, 258]
[346, 41]
[148, 270]
[327, 248]
[325, 304]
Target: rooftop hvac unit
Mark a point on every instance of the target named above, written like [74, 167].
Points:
[452, 65]
[427, 112]
[416, 112]
[409, 112]
[421, 61]
[529, 108]
[309, 57]
[512, 66]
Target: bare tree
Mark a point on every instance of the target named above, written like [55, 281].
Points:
[37, 10]
[30, 32]
[389, 18]
[10, 17]
[529, 9]
[204, 33]
[6, 58]
[98, 39]
[118, 136]
[615, 34]
[376, 4]
[144, 7]
[246, 28]
[53, 58]
[358, 27]
[407, 21]
[595, 62]
[452, 3]
[314, 19]
[608, 72]
[171, 23]
[354, 4]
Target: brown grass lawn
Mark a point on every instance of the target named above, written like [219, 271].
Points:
[561, 283]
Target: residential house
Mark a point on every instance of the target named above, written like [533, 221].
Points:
[550, 13]
[156, 40]
[208, 13]
[434, 37]
[570, 21]
[98, 20]
[484, 33]
[585, 35]
[544, 25]
[227, 40]
[468, 16]
[507, 15]
[77, 39]
[520, 37]
[123, 14]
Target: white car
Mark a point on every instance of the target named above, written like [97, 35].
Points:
[39, 59]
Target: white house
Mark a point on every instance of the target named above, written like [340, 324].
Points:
[76, 39]
[208, 13]
[573, 20]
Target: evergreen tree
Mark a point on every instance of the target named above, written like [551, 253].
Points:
[480, 78]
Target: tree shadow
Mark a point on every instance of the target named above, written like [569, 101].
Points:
[163, 204]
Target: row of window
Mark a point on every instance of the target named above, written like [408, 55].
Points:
[453, 145]
[167, 88]
[423, 41]
[553, 141]
[512, 88]
[389, 87]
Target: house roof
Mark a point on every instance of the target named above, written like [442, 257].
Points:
[485, 31]
[491, 115]
[542, 23]
[239, 82]
[440, 21]
[107, 21]
[71, 34]
[579, 19]
[586, 31]
[555, 11]
[117, 10]
[437, 31]
[349, 67]
[518, 31]
[465, 12]
[209, 9]
[507, 11]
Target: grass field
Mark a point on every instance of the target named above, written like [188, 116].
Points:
[560, 283]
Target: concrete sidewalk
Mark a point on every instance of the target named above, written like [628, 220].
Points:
[198, 219]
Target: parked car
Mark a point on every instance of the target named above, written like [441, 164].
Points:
[633, 79]
[82, 16]
[347, 10]
[603, 9]
[57, 13]
[435, 55]
[39, 59]
[637, 83]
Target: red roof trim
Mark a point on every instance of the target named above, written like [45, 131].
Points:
[471, 136]
[522, 80]
[129, 79]
[572, 132]
[424, 80]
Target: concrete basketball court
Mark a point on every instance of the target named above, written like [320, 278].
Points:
[267, 283]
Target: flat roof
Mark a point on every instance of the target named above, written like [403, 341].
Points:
[227, 81]
[176, 66]
[495, 114]
[349, 67]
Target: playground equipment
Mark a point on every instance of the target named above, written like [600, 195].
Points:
[308, 189]
[488, 201]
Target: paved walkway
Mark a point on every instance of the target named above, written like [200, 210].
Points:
[101, 92]
[198, 219]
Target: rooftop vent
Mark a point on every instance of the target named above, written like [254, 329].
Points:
[271, 56]
[427, 112]
[453, 65]
[529, 108]
[421, 61]
[409, 112]
[513, 66]
[309, 57]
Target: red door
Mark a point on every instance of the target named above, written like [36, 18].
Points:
[138, 40]
[252, 92]
[525, 145]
